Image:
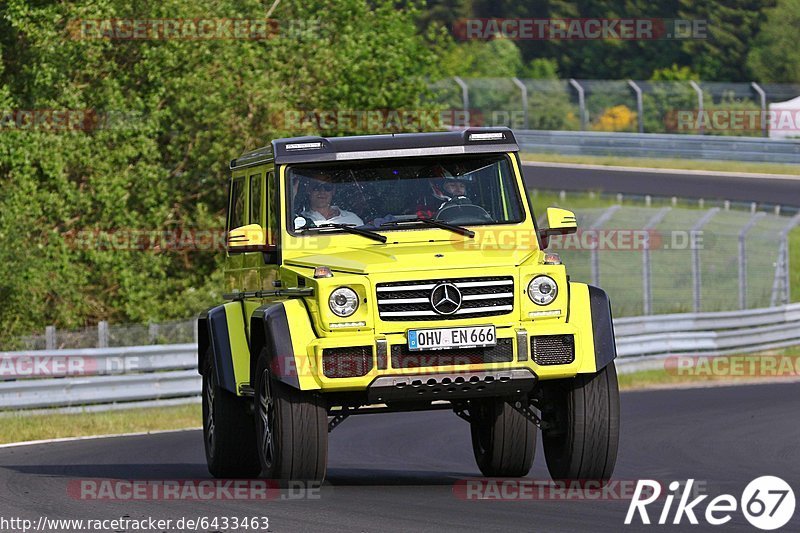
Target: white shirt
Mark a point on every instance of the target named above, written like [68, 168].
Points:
[344, 217]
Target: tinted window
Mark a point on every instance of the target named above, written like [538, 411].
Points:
[255, 198]
[236, 209]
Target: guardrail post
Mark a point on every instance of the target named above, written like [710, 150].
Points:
[639, 104]
[595, 258]
[696, 274]
[763, 97]
[524, 93]
[700, 121]
[50, 338]
[743, 259]
[647, 290]
[464, 98]
[781, 291]
[102, 334]
[581, 102]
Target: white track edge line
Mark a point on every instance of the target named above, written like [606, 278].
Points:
[91, 437]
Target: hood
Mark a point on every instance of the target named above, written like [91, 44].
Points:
[410, 257]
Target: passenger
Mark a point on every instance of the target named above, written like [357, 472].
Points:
[320, 197]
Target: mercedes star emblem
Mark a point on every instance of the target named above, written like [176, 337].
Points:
[446, 299]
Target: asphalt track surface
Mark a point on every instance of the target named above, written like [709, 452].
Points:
[396, 472]
[762, 188]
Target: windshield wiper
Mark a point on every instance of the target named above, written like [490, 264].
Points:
[350, 229]
[434, 224]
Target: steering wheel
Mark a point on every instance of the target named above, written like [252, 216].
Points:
[461, 210]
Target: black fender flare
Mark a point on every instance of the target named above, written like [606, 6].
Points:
[269, 328]
[605, 347]
[212, 331]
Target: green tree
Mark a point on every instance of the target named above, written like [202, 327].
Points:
[773, 56]
[732, 26]
[76, 204]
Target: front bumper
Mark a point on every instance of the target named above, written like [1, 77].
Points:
[384, 361]
[451, 386]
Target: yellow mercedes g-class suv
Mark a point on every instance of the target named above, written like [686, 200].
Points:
[404, 272]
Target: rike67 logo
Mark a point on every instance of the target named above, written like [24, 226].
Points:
[767, 502]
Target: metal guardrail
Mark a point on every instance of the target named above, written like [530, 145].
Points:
[113, 376]
[660, 145]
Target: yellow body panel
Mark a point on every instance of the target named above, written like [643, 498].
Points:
[418, 254]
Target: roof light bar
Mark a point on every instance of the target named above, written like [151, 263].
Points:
[304, 146]
[496, 136]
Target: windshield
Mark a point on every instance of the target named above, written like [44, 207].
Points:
[460, 190]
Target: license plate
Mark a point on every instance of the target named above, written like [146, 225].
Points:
[445, 338]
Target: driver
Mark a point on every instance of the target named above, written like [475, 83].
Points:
[320, 197]
[444, 187]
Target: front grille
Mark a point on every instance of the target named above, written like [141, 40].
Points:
[411, 300]
[553, 349]
[402, 357]
[349, 362]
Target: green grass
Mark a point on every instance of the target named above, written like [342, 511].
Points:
[706, 375]
[719, 166]
[20, 427]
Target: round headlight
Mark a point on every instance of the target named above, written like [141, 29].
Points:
[343, 301]
[542, 290]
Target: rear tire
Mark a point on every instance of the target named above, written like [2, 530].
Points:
[291, 428]
[503, 440]
[583, 414]
[228, 431]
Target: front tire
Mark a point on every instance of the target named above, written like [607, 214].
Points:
[503, 440]
[291, 428]
[582, 436]
[228, 430]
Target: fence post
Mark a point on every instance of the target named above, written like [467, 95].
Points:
[50, 338]
[647, 290]
[639, 104]
[524, 91]
[152, 333]
[781, 291]
[699, 91]
[763, 97]
[696, 274]
[464, 99]
[595, 259]
[102, 334]
[743, 259]
[581, 102]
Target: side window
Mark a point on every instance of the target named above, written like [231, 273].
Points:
[273, 209]
[236, 207]
[256, 189]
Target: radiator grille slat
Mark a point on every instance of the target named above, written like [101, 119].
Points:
[482, 296]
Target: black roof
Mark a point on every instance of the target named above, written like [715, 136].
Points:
[319, 149]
